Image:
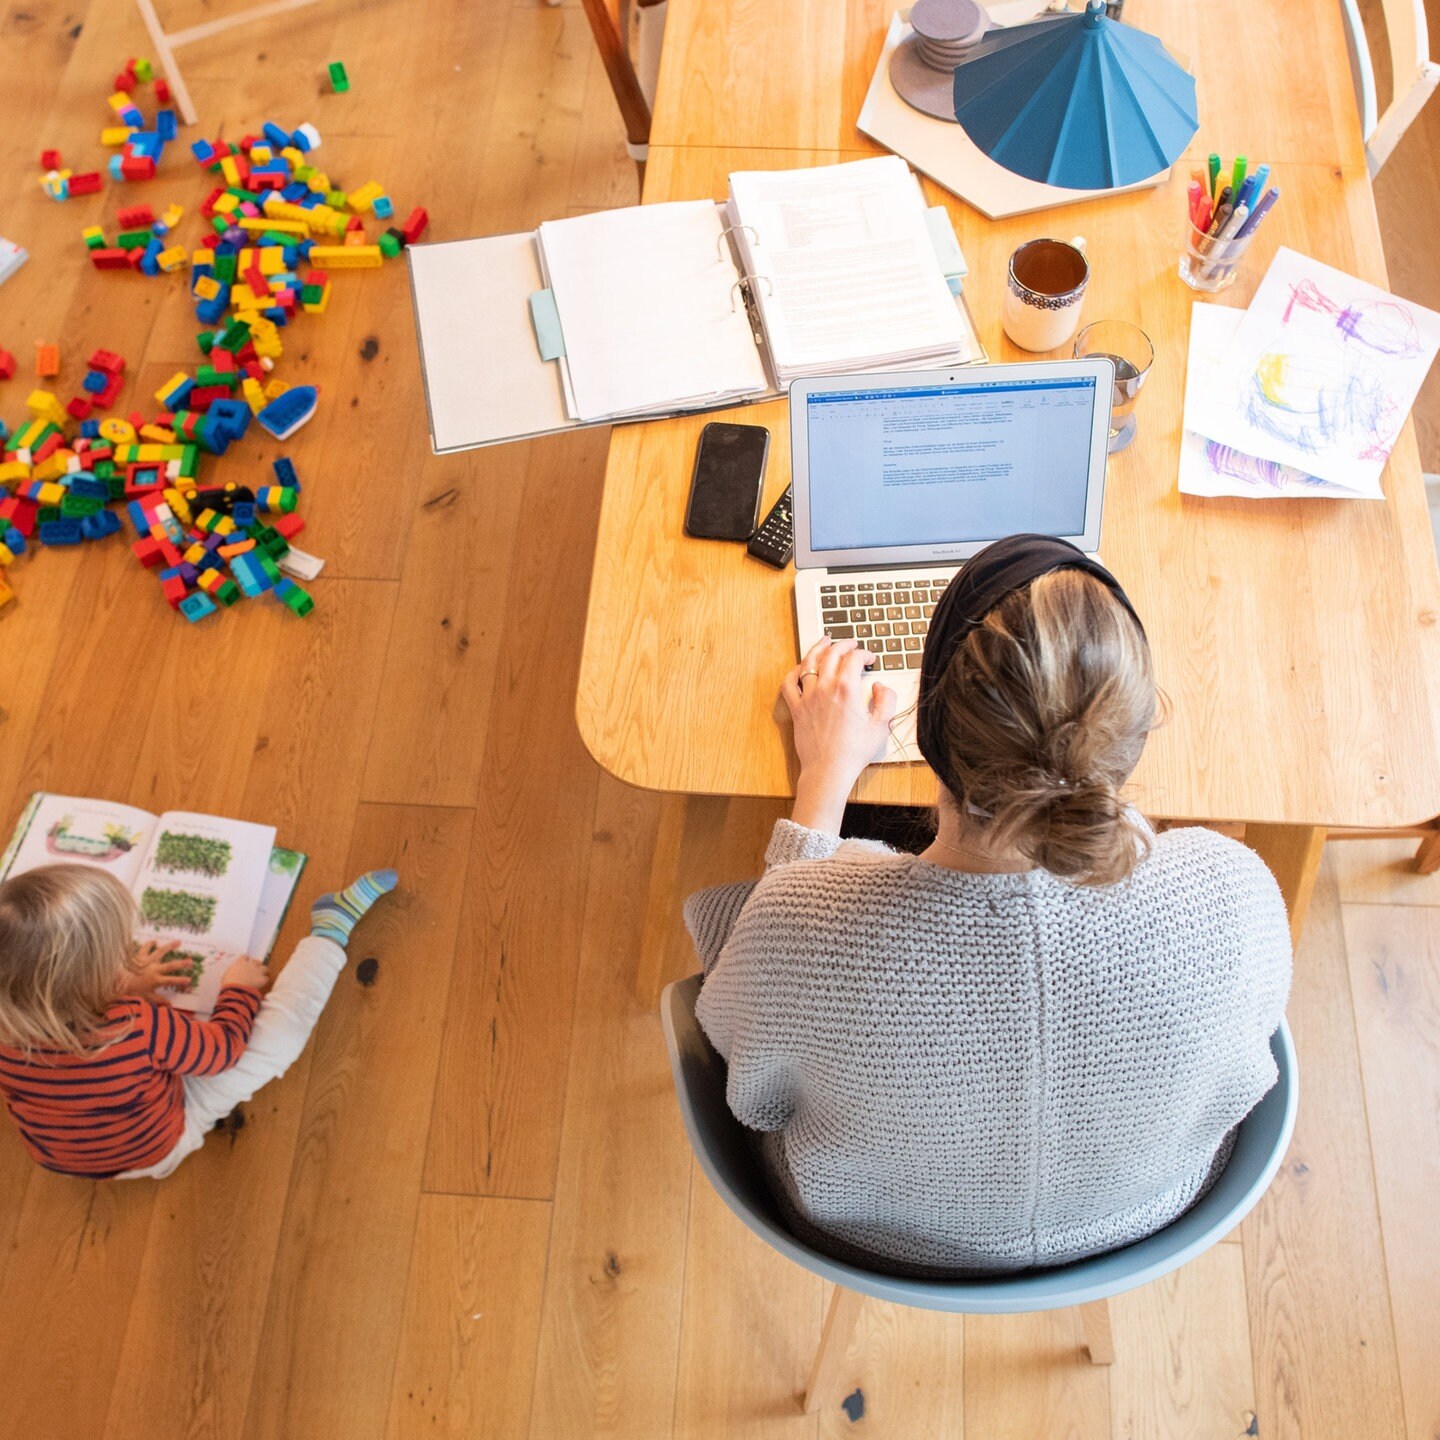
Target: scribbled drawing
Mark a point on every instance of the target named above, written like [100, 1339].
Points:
[1231, 464]
[1384, 326]
[1315, 402]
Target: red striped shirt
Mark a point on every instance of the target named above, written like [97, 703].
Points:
[123, 1107]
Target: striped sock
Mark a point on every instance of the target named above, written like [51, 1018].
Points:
[335, 916]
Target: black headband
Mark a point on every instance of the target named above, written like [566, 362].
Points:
[997, 571]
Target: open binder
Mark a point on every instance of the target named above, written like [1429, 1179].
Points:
[587, 321]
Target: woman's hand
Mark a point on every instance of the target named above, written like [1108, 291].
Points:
[151, 969]
[842, 721]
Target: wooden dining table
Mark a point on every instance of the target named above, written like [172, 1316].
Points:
[1297, 642]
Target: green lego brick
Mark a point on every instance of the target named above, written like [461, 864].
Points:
[144, 71]
[234, 336]
[190, 462]
[135, 239]
[46, 513]
[115, 484]
[205, 340]
[339, 80]
[74, 506]
[226, 266]
[208, 375]
[96, 242]
[389, 245]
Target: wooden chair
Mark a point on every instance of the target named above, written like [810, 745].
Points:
[610, 30]
[1413, 74]
[723, 1148]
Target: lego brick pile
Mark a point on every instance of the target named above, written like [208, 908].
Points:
[276, 226]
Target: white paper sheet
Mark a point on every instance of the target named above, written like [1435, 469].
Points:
[1210, 468]
[1320, 374]
[645, 300]
[846, 271]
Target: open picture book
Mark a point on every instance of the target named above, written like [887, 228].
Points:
[216, 888]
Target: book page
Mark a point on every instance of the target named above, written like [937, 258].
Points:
[282, 875]
[845, 268]
[200, 886]
[67, 830]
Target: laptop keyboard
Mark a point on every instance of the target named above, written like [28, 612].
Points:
[888, 618]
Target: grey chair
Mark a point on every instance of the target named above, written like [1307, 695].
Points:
[722, 1147]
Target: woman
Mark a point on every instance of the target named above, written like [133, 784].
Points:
[1031, 1042]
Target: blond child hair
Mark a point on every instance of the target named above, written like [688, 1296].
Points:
[66, 946]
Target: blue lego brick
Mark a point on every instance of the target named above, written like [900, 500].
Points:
[284, 468]
[60, 532]
[197, 606]
[14, 539]
[85, 484]
[165, 125]
[95, 381]
[99, 525]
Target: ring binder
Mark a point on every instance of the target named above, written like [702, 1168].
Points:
[730, 230]
[744, 283]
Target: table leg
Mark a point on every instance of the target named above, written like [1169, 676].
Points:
[1293, 854]
[840, 1320]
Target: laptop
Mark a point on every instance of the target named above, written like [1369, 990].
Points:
[900, 477]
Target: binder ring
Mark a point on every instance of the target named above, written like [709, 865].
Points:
[730, 230]
[743, 287]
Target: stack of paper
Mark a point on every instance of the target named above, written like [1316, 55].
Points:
[843, 271]
[1304, 393]
[653, 321]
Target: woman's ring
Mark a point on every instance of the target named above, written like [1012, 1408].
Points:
[800, 682]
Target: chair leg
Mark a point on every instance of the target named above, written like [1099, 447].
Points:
[844, 1311]
[1427, 857]
[1095, 1321]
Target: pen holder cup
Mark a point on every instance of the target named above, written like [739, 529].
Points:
[1208, 264]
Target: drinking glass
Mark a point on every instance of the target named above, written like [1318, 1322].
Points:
[1130, 348]
[1210, 265]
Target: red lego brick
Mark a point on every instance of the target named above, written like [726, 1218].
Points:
[414, 227]
[87, 184]
[108, 361]
[50, 160]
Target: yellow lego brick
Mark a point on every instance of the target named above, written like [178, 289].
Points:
[178, 378]
[44, 406]
[319, 182]
[366, 196]
[116, 134]
[226, 204]
[7, 555]
[90, 231]
[224, 526]
[6, 594]
[345, 257]
[119, 101]
[318, 307]
[275, 389]
[230, 170]
[13, 471]
[254, 394]
[257, 225]
[177, 502]
[28, 435]
[194, 554]
[163, 436]
[51, 493]
[261, 154]
[175, 258]
[294, 156]
[173, 215]
[53, 466]
[272, 260]
[207, 287]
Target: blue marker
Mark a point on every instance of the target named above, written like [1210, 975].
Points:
[1258, 214]
[1260, 177]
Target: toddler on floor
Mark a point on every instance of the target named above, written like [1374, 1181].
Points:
[103, 1080]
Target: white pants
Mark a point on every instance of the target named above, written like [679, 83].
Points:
[287, 1016]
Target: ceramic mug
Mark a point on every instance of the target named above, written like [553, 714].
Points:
[1044, 291]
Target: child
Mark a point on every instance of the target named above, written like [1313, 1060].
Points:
[105, 1081]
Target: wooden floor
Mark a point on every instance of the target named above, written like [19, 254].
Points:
[469, 1210]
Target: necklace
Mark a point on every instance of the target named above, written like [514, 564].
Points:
[989, 861]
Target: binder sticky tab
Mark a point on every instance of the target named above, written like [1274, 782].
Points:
[545, 317]
[947, 247]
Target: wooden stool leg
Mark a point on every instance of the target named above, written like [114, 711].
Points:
[1427, 857]
[844, 1311]
[1095, 1320]
[1293, 854]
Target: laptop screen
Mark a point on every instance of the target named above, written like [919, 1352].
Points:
[953, 462]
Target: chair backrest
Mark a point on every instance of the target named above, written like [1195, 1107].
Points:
[726, 1154]
[1413, 74]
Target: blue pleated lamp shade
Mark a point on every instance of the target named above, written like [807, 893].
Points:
[1081, 101]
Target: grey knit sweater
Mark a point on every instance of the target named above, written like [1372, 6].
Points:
[961, 1073]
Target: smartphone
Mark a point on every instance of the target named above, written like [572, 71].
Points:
[728, 481]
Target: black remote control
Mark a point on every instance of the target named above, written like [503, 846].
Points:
[774, 541]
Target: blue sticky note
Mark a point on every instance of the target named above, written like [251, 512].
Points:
[545, 317]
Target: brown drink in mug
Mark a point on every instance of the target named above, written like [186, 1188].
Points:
[1044, 291]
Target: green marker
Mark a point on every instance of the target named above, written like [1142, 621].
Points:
[1214, 172]
[1238, 178]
